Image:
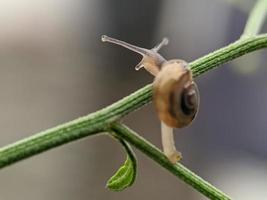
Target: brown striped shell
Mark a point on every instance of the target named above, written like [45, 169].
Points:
[175, 94]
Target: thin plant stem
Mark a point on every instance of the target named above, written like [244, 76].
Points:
[230, 52]
[97, 122]
[100, 121]
[177, 169]
[256, 19]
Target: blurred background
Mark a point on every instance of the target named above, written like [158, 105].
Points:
[54, 68]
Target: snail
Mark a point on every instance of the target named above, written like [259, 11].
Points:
[175, 94]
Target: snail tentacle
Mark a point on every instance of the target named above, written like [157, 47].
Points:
[151, 61]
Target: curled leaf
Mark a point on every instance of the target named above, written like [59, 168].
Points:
[125, 175]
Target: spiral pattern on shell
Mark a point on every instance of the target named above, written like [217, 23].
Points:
[175, 94]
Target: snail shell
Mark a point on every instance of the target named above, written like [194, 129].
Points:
[175, 94]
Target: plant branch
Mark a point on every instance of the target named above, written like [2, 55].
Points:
[177, 169]
[228, 53]
[256, 19]
[103, 119]
[98, 122]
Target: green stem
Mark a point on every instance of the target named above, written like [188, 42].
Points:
[177, 169]
[256, 19]
[230, 52]
[98, 121]
[76, 129]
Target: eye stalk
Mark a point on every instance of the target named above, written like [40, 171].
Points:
[152, 60]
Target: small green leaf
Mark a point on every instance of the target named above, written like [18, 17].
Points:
[125, 176]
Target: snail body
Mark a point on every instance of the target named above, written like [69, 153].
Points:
[175, 95]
